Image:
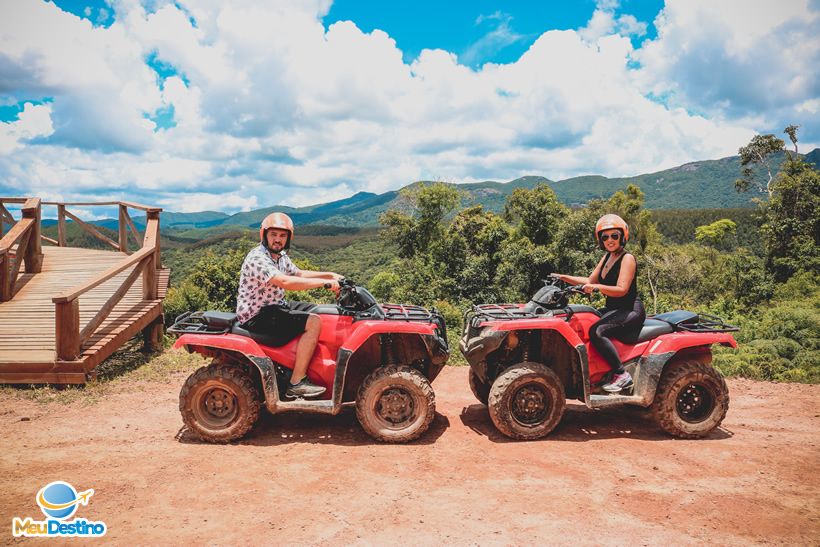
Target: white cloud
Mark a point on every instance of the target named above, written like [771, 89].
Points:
[737, 58]
[271, 107]
[34, 121]
[100, 85]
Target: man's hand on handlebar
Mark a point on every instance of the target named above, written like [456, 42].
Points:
[333, 286]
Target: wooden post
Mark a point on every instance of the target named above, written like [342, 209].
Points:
[34, 250]
[152, 334]
[3, 213]
[149, 274]
[123, 229]
[5, 277]
[61, 225]
[68, 330]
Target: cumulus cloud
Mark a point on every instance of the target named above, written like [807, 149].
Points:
[605, 22]
[270, 107]
[34, 121]
[736, 59]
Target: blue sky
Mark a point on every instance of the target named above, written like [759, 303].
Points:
[243, 104]
[456, 26]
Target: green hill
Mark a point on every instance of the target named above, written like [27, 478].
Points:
[698, 185]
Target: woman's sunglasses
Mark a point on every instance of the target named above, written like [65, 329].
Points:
[615, 237]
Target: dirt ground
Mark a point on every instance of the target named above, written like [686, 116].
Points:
[603, 477]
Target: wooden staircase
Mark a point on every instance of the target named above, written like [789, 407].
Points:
[71, 308]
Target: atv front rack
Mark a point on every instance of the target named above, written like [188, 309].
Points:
[194, 322]
[490, 312]
[407, 312]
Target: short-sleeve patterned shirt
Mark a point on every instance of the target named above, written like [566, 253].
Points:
[255, 291]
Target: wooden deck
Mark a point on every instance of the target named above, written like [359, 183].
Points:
[28, 323]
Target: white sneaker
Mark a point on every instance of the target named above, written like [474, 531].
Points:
[619, 382]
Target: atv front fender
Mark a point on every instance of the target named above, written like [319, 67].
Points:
[476, 350]
[435, 345]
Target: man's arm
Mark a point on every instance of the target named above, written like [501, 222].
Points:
[310, 274]
[299, 283]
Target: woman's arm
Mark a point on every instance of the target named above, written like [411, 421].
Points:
[577, 280]
[628, 267]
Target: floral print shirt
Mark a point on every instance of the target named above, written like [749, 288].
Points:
[255, 291]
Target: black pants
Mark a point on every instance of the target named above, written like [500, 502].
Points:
[623, 324]
[282, 322]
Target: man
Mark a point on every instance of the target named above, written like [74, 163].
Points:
[261, 306]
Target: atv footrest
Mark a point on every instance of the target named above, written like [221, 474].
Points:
[325, 406]
[598, 401]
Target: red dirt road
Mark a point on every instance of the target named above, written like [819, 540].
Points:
[603, 477]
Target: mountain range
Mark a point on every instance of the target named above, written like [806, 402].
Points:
[696, 185]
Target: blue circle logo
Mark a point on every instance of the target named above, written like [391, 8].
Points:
[58, 500]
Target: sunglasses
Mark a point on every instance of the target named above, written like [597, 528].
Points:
[615, 237]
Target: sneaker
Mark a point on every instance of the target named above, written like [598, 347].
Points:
[304, 388]
[619, 382]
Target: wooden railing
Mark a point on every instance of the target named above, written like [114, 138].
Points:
[70, 339]
[125, 226]
[25, 234]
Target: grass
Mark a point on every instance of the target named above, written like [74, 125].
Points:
[129, 368]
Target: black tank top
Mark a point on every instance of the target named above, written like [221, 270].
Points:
[627, 301]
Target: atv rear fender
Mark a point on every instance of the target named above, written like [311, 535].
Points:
[244, 351]
[203, 343]
[665, 352]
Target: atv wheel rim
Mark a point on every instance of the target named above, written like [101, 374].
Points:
[530, 405]
[694, 403]
[396, 408]
[216, 408]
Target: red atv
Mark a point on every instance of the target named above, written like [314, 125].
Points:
[382, 357]
[527, 359]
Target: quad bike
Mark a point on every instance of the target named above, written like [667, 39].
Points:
[380, 357]
[527, 359]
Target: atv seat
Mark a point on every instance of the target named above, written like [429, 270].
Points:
[226, 322]
[264, 339]
[581, 308]
[219, 319]
[652, 328]
[678, 317]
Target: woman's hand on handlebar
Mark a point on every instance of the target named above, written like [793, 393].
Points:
[588, 288]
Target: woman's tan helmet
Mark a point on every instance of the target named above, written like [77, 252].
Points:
[611, 222]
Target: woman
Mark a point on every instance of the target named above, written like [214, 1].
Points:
[614, 276]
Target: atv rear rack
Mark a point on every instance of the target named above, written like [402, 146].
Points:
[193, 322]
[707, 323]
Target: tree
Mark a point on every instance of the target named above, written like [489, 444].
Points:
[537, 211]
[791, 230]
[430, 205]
[759, 152]
[717, 234]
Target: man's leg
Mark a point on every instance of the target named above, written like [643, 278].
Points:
[306, 347]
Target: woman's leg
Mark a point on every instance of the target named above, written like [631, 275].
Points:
[600, 333]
